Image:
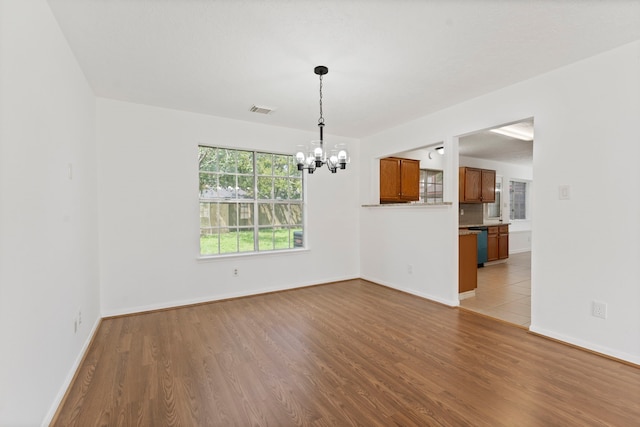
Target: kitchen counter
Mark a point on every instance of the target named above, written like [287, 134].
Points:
[409, 205]
[463, 232]
[483, 225]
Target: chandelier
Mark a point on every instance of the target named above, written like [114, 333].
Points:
[315, 154]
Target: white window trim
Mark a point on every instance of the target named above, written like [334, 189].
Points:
[304, 248]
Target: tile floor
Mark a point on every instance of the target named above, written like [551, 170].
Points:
[504, 290]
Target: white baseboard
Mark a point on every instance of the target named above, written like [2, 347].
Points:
[70, 375]
[468, 294]
[586, 345]
[450, 303]
[213, 298]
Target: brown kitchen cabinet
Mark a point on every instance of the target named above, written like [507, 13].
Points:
[497, 242]
[399, 180]
[477, 185]
[467, 262]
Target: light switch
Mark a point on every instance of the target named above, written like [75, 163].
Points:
[564, 192]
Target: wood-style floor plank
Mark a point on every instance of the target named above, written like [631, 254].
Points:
[348, 353]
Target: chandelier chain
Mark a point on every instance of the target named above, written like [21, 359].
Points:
[321, 119]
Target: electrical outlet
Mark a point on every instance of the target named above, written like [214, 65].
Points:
[461, 212]
[599, 309]
[235, 272]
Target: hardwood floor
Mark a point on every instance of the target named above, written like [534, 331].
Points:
[504, 290]
[349, 353]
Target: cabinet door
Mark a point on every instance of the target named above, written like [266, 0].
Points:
[467, 263]
[488, 186]
[503, 246]
[389, 180]
[503, 243]
[410, 180]
[470, 180]
[492, 244]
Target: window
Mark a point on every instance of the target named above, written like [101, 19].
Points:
[431, 186]
[250, 201]
[494, 210]
[518, 199]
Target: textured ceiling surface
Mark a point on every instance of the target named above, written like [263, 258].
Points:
[389, 61]
[490, 146]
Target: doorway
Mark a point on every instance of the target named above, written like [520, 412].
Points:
[504, 286]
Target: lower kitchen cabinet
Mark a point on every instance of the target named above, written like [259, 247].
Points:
[497, 242]
[467, 262]
[503, 242]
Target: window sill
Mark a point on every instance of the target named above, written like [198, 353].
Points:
[206, 258]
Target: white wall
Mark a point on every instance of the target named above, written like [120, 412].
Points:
[48, 222]
[429, 158]
[519, 230]
[410, 249]
[149, 212]
[586, 137]
[394, 238]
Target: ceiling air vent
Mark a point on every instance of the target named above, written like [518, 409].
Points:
[261, 109]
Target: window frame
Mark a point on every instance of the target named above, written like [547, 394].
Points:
[526, 201]
[424, 173]
[256, 203]
[498, 202]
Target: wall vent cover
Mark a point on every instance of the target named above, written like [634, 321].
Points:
[261, 109]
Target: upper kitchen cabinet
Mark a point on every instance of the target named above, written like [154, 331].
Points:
[399, 180]
[477, 185]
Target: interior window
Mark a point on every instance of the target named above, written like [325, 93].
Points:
[431, 186]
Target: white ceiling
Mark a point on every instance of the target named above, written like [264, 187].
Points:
[487, 145]
[389, 60]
